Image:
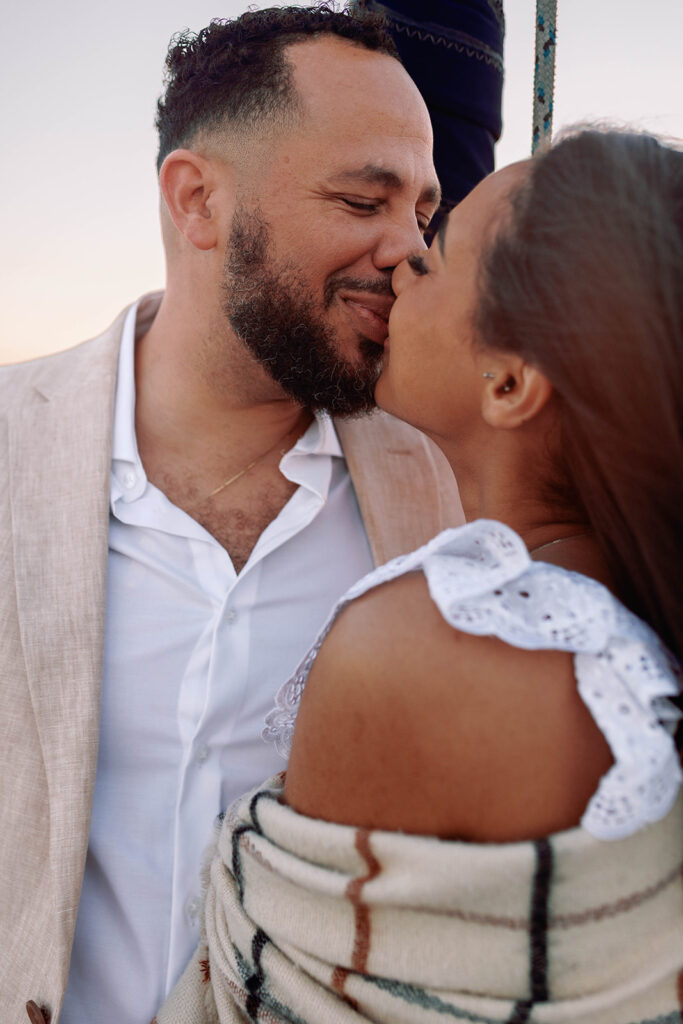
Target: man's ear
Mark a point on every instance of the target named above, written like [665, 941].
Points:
[187, 182]
[514, 393]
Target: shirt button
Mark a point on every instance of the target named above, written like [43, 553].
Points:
[202, 754]
[129, 479]
[231, 615]
[192, 908]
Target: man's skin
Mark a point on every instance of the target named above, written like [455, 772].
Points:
[346, 189]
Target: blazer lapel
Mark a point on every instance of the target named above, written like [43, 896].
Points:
[406, 490]
[59, 460]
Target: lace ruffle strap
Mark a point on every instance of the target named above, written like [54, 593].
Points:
[483, 581]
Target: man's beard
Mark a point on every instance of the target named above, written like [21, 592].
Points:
[269, 310]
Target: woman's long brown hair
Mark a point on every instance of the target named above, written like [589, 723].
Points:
[586, 283]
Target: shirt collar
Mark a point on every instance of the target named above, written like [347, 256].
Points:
[128, 478]
[320, 438]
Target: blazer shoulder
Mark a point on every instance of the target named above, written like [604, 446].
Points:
[371, 437]
[405, 487]
[18, 378]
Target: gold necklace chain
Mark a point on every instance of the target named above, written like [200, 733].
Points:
[236, 476]
[559, 540]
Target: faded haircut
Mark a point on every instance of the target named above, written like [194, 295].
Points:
[234, 73]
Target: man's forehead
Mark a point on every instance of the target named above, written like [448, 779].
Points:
[363, 118]
[340, 80]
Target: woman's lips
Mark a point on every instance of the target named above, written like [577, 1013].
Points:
[370, 322]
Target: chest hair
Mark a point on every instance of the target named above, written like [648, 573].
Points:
[237, 517]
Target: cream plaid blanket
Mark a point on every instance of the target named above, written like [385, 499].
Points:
[313, 923]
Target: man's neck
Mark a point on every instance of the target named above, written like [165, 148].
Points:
[199, 394]
[213, 443]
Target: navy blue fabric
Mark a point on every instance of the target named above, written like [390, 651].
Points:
[453, 50]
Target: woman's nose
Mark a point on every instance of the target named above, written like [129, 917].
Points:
[400, 276]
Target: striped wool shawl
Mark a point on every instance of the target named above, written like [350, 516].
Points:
[314, 923]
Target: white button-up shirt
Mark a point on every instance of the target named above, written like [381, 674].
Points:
[194, 653]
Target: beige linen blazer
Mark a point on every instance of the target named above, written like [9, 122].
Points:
[55, 445]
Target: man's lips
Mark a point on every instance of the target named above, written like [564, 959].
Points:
[370, 313]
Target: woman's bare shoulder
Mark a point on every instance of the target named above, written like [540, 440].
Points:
[407, 723]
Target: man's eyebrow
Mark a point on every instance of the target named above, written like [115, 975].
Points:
[373, 174]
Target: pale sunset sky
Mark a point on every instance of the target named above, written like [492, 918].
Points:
[79, 82]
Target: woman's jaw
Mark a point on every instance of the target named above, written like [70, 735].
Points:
[482, 407]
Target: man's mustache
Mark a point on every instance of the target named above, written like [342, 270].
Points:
[376, 286]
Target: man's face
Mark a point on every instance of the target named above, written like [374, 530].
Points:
[314, 242]
[272, 311]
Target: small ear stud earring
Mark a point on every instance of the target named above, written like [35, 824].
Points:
[507, 386]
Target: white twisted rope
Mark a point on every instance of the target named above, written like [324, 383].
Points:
[544, 73]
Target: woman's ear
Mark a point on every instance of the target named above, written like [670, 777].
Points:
[514, 393]
[187, 183]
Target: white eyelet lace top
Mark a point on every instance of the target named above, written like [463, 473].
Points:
[484, 582]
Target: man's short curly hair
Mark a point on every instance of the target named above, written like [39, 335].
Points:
[235, 71]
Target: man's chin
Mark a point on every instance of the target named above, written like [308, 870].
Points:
[341, 394]
[343, 405]
[356, 414]
[357, 352]
[347, 386]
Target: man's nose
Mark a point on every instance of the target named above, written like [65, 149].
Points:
[399, 238]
